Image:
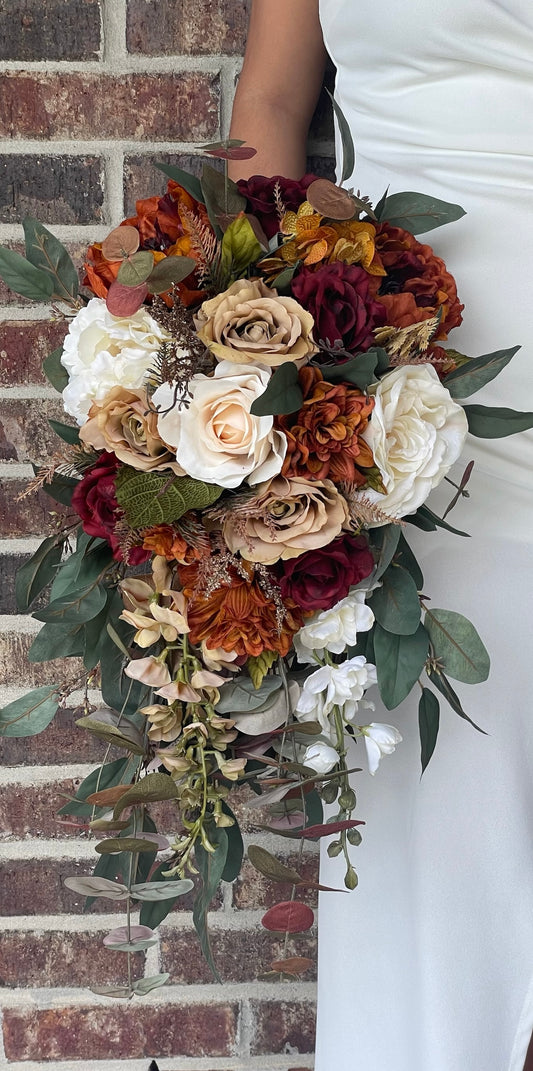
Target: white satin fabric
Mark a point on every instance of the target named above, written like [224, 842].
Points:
[428, 965]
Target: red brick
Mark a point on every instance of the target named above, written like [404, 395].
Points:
[62, 741]
[26, 517]
[156, 27]
[253, 891]
[142, 179]
[118, 1033]
[54, 189]
[240, 955]
[23, 348]
[32, 809]
[14, 665]
[170, 106]
[55, 30]
[62, 959]
[283, 1026]
[37, 888]
[25, 433]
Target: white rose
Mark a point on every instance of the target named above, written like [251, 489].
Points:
[215, 437]
[380, 740]
[335, 629]
[320, 757]
[416, 434]
[342, 686]
[102, 351]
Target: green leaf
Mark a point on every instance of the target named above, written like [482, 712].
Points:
[154, 911]
[136, 269]
[395, 604]
[270, 867]
[235, 853]
[95, 635]
[241, 695]
[417, 212]
[429, 521]
[97, 886]
[54, 371]
[282, 395]
[168, 271]
[399, 661]
[68, 432]
[211, 867]
[60, 488]
[444, 687]
[145, 985]
[151, 789]
[428, 723]
[57, 641]
[112, 773]
[86, 565]
[221, 197]
[476, 373]
[125, 844]
[31, 714]
[189, 182]
[360, 371]
[384, 542]
[47, 253]
[404, 556]
[348, 150]
[154, 891]
[23, 278]
[118, 691]
[148, 498]
[125, 735]
[38, 572]
[240, 247]
[75, 607]
[495, 422]
[457, 645]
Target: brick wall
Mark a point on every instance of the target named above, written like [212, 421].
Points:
[90, 92]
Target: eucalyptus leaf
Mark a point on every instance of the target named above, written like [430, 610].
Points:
[57, 641]
[405, 557]
[153, 788]
[118, 691]
[428, 723]
[136, 269]
[399, 661]
[171, 270]
[149, 498]
[38, 572]
[127, 736]
[23, 277]
[476, 373]
[443, 685]
[496, 422]
[395, 604]
[429, 521]
[240, 695]
[47, 253]
[124, 844]
[348, 150]
[108, 890]
[60, 488]
[120, 992]
[54, 371]
[270, 867]
[146, 985]
[282, 395]
[359, 371]
[75, 607]
[162, 890]
[189, 182]
[457, 645]
[154, 911]
[67, 432]
[95, 636]
[133, 946]
[211, 867]
[384, 542]
[221, 197]
[418, 212]
[30, 714]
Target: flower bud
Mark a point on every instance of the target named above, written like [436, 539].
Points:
[351, 880]
[329, 792]
[354, 837]
[334, 849]
[347, 800]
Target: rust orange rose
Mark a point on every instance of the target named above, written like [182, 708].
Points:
[325, 438]
[418, 284]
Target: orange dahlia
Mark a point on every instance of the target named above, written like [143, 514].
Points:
[325, 438]
[239, 616]
[166, 542]
[418, 284]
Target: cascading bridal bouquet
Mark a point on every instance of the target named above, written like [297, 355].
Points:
[262, 405]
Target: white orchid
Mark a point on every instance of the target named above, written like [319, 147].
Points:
[342, 686]
[334, 630]
[320, 757]
[380, 739]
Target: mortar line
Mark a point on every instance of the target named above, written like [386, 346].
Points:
[114, 50]
[126, 63]
[255, 1063]
[169, 995]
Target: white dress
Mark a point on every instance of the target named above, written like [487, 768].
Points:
[428, 965]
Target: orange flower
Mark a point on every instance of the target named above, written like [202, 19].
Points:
[167, 543]
[313, 241]
[325, 437]
[418, 284]
[239, 616]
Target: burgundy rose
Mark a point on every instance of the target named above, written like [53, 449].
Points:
[95, 502]
[338, 296]
[259, 192]
[319, 579]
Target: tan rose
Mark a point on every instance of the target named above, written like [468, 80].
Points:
[251, 324]
[286, 518]
[124, 424]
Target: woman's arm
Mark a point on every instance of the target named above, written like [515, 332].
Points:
[279, 86]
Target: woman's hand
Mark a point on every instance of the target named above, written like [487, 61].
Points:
[279, 87]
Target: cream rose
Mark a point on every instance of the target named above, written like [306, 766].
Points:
[251, 324]
[125, 424]
[287, 518]
[215, 437]
[102, 351]
[416, 434]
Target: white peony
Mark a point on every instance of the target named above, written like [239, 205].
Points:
[320, 757]
[335, 629]
[215, 437]
[416, 434]
[342, 686]
[380, 740]
[102, 351]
